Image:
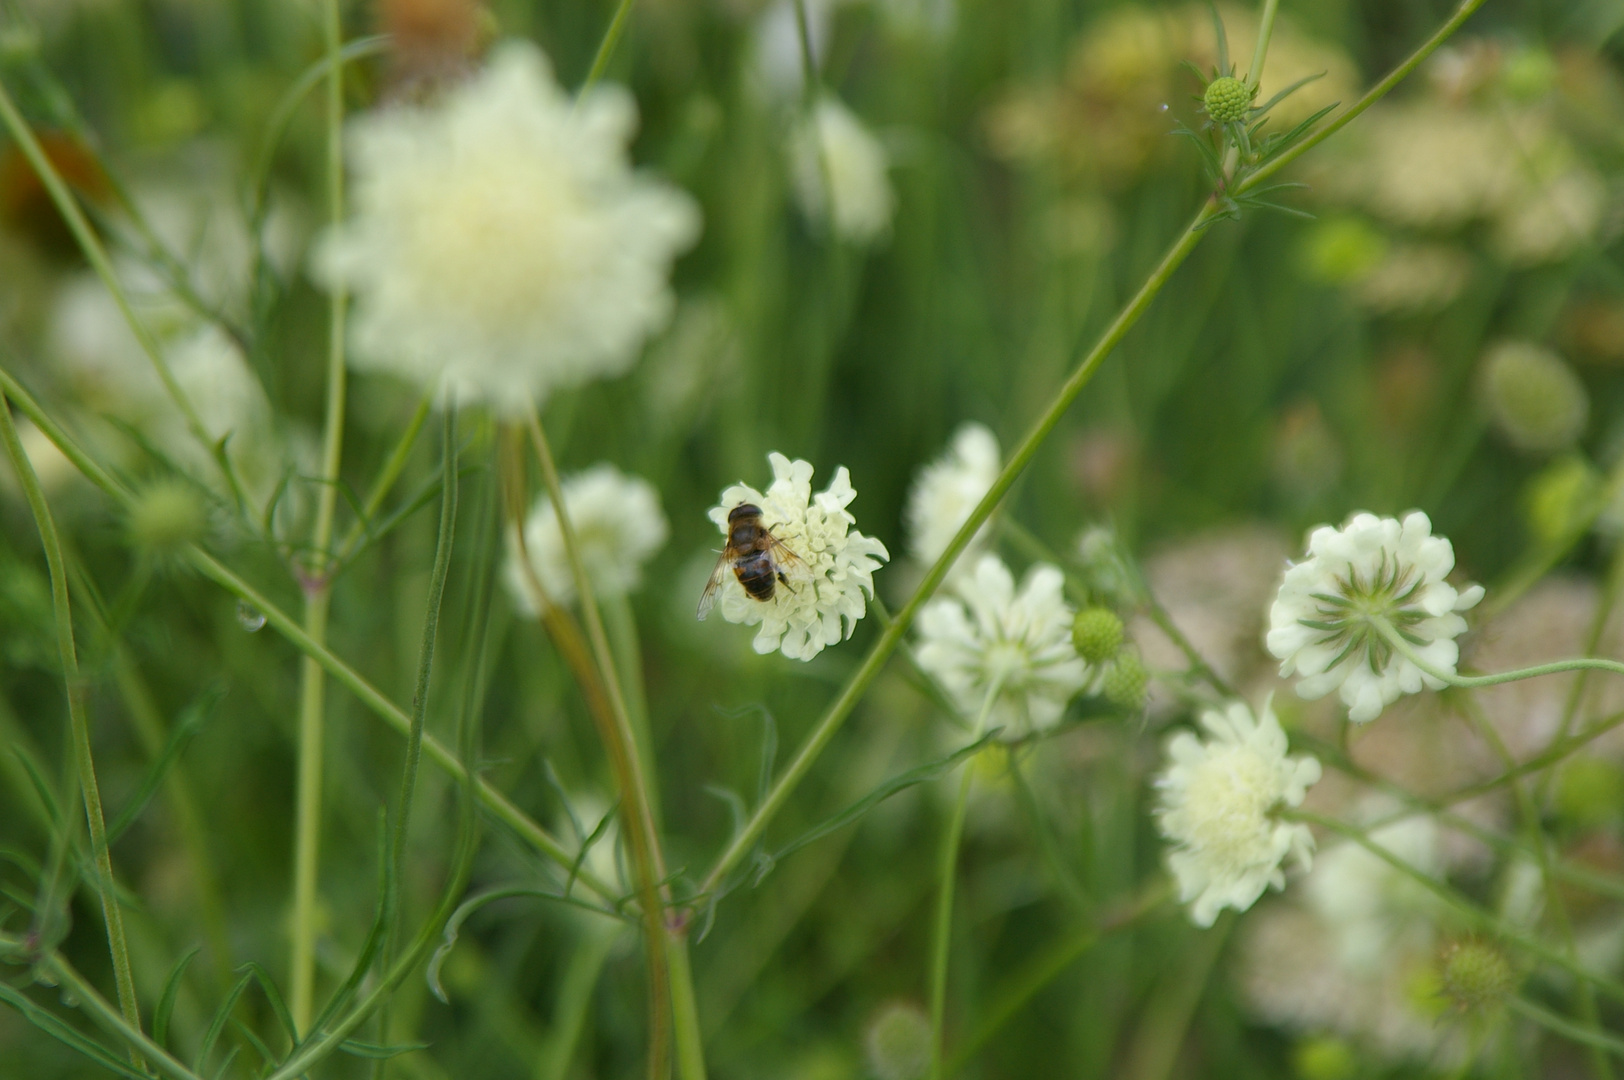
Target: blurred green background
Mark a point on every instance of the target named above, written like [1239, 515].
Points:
[1294, 370]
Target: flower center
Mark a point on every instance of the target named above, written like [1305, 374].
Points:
[1231, 793]
[1350, 618]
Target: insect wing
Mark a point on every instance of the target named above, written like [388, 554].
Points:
[707, 599]
[781, 552]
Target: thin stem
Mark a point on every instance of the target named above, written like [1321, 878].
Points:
[84, 761]
[1590, 1037]
[284, 624]
[1371, 96]
[946, 874]
[318, 590]
[1254, 73]
[96, 255]
[385, 481]
[606, 47]
[595, 674]
[574, 1000]
[1407, 650]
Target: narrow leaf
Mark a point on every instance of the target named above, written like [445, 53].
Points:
[166, 1000]
[190, 723]
[71, 1037]
[376, 1052]
[218, 1024]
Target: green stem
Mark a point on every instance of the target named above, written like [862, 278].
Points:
[1591, 1037]
[946, 873]
[385, 481]
[606, 47]
[370, 696]
[84, 762]
[621, 623]
[318, 586]
[1254, 74]
[574, 1000]
[1406, 650]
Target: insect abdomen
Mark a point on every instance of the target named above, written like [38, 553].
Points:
[757, 574]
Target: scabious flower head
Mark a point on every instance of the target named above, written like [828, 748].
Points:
[948, 489]
[1218, 802]
[501, 245]
[829, 578]
[989, 635]
[1323, 625]
[618, 525]
[833, 152]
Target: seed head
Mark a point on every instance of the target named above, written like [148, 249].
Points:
[1534, 398]
[1125, 681]
[898, 1042]
[1475, 975]
[1227, 99]
[1097, 634]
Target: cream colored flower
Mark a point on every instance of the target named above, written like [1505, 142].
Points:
[1325, 623]
[618, 526]
[501, 246]
[947, 489]
[833, 151]
[1218, 804]
[830, 576]
[989, 635]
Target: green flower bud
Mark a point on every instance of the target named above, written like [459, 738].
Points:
[1562, 499]
[1535, 399]
[1227, 99]
[1126, 681]
[1097, 634]
[1474, 974]
[167, 516]
[898, 1042]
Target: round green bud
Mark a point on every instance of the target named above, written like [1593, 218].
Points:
[1097, 634]
[167, 516]
[1561, 499]
[1227, 99]
[1126, 681]
[898, 1042]
[1535, 399]
[1474, 974]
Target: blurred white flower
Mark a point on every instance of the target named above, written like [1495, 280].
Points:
[946, 490]
[835, 152]
[1552, 218]
[990, 635]
[501, 245]
[1217, 806]
[618, 526]
[833, 569]
[1324, 623]
[1373, 909]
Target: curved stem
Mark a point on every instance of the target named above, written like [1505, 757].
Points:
[1405, 649]
[84, 762]
[942, 934]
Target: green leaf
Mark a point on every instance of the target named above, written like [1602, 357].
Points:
[70, 1037]
[186, 727]
[218, 1023]
[376, 1052]
[166, 1000]
[1294, 87]
[273, 996]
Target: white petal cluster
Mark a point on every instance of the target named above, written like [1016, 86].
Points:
[1323, 626]
[831, 575]
[989, 635]
[834, 152]
[947, 490]
[501, 246]
[618, 525]
[1218, 803]
[1372, 909]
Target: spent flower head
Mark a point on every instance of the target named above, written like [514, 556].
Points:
[1329, 621]
[948, 489]
[618, 527]
[990, 636]
[830, 575]
[501, 246]
[1218, 805]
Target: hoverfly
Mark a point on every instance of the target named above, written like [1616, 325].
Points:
[753, 553]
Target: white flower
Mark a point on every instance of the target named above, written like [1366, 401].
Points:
[834, 151]
[501, 245]
[1218, 799]
[1373, 910]
[618, 526]
[1324, 622]
[947, 490]
[1021, 642]
[833, 567]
